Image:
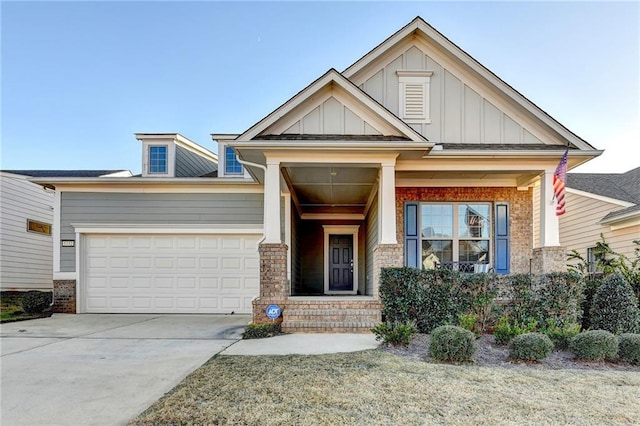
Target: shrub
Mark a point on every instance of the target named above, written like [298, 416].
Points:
[530, 347]
[561, 335]
[451, 343]
[470, 322]
[559, 298]
[594, 345]
[261, 330]
[425, 298]
[504, 331]
[615, 307]
[629, 348]
[395, 334]
[36, 302]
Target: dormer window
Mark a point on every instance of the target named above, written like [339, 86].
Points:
[231, 164]
[158, 159]
[414, 95]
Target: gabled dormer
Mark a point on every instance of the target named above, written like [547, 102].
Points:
[169, 155]
[229, 166]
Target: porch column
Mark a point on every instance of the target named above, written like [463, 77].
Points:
[550, 256]
[549, 223]
[387, 200]
[272, 203]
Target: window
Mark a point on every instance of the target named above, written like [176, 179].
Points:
[455, 233]
[38, 227]
[591, 259]
[414, 96]
[158, 159]
[231, 164]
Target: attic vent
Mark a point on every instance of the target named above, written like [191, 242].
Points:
[414, 96]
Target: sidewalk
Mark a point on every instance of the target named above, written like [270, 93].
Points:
[303, 344]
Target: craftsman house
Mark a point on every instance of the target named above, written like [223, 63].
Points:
[414, 155]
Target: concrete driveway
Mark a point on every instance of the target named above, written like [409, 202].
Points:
[102, 369]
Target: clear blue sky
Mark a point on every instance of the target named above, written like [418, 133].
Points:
[79, 78]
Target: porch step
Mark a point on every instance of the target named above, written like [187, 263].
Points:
[330, 320]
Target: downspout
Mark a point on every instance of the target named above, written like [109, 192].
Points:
[264, 168]
[49, 188]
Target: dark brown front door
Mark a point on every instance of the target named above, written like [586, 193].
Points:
[341, 263]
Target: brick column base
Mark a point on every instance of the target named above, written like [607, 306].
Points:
[64, 296]
[274, 286]
[549, 259]
[385, 256]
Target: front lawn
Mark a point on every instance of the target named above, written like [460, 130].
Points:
[374, 387]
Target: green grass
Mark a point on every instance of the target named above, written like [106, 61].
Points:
[377, 388]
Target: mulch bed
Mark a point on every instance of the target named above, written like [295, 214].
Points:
[490, 354]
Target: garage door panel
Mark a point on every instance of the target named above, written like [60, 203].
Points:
[171, 273]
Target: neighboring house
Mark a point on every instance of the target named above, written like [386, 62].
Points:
[606, 204]
[414, 155]
[26, 224]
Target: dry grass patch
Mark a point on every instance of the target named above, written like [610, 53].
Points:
[373, 387]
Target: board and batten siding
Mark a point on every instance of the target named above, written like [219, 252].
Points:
[458, 113]
[153, 208]
[579, 228]
[26, 258]
[372, 242]
[190, 164]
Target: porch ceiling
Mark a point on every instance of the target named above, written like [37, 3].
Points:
[327, 189]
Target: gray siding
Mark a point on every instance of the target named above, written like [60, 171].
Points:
[372, 242]
[190, 164]
[458, 112]
[26, 258]
[165, 209]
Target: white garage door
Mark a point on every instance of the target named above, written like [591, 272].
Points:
[170, 273]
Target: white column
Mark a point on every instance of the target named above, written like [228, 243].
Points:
[387, 200]
[549, 223]
[272, 203]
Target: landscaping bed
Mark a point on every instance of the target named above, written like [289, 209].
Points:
[490, 354]
[11, 308]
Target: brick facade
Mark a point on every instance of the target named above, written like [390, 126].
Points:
[520, 214]
[386, 256]
[64, 296]
[549, 259]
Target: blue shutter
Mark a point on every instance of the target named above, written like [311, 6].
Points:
[411, 236]
[502, 239]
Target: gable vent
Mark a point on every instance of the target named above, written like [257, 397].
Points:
[414, 101]
[414, 95]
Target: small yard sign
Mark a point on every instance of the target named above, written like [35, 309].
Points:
[273, 311]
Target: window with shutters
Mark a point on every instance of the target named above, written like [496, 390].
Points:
[414, 96]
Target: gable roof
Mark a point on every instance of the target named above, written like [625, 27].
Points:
[620, 186]
[418, 27]
[332, 77]
[67, 173]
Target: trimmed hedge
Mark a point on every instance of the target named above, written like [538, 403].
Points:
[615, 307]
[451, 343]
[530, 347]
[594, 345]
[36, 302]
[629, 348]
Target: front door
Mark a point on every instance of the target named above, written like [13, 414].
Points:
[341, 263]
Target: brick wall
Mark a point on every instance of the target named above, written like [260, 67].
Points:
[386, 256]
[520, 214]
[64, 294]
[274, 286]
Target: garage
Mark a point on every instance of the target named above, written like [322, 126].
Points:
[158, 273]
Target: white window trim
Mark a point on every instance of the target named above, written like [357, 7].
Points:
[171, 155]
[222, 164]
[415, 77]
[341, 230]
[455, 237]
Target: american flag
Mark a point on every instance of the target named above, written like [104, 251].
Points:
[559, 181]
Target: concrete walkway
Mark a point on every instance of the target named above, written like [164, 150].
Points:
[303, 344]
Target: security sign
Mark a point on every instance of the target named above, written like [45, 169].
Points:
[273, 311]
